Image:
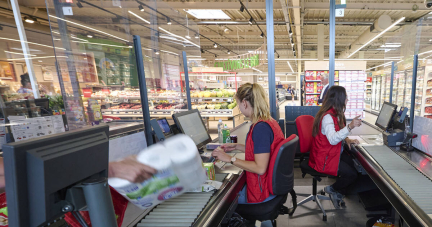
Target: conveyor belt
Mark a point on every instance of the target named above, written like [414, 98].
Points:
[414, 183]
[181, 211]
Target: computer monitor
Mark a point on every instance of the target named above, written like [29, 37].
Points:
[47, 177]
[191, 124]
[386, 115]
[164, 125]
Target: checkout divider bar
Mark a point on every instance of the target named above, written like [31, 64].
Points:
[143, 89]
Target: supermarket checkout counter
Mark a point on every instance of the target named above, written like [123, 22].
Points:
[405, 178]
[197, 209]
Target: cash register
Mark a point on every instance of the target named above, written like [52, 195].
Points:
[189, 123]
[392, 124]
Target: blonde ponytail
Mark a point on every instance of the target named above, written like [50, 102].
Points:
[256, 96]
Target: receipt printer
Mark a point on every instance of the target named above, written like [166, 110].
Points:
[393, 138]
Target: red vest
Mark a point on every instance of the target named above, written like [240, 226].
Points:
[325, 157]
[259, 187]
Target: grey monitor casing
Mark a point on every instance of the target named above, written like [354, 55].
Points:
[39, 171]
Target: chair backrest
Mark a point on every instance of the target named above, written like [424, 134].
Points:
[283, 170]
[304, 125]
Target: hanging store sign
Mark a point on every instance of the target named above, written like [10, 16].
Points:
[242, 63]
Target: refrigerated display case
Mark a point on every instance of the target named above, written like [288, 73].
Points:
[368, 98]
[377, 93]
[427, 110]
[419, 89]
[387, 79]
[400, 91]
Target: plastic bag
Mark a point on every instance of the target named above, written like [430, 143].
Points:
[120, 205]
[3, 211]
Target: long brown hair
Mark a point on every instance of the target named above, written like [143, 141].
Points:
[256, 96]
[335, 98]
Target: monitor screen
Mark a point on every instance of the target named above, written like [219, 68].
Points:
[191, 124]
[163, 123]
[385, 115]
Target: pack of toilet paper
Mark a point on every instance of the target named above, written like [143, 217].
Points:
[179, 170]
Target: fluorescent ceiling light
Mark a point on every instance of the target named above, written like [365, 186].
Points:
[257, 70]
[148, 22]
[93, 29]
[10, 52]
[184, 39]
[376, 37]
[103, 44]
[208, 14]
[290, 66]
[390, 45]
[38, 44]
[36, 58]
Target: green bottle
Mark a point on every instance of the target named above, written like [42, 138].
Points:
[226, 135]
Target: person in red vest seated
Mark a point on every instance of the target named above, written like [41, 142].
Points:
[329, 133]
[262, 139]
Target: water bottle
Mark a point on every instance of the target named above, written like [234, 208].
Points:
[220, 127]
[226, 135]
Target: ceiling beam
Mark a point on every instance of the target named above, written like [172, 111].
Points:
[367, 6]
[278, 22]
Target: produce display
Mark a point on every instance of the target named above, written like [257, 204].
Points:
[215, 106]
[216, 93]
[123, 106]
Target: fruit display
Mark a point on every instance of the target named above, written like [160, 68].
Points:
[124, 106]
[216, 93]
[215, 106]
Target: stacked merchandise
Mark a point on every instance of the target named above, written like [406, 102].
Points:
[355, 85]
[313, 86]
[428, 100]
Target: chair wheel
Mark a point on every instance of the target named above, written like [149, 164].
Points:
[325, 218]
[322, 192]
[343, 204]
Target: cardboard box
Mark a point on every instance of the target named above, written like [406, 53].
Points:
[210, 170]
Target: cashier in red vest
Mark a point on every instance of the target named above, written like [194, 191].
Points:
[330, 132]
[261, 141]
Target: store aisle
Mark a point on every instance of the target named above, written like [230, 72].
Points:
[287, 103]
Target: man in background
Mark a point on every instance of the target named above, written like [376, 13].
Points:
[325, 84]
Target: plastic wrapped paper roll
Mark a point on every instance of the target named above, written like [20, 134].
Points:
[163, 185]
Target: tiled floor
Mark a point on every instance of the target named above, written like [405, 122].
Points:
[310, 215]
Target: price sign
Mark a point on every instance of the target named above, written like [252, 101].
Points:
[340, 12]
[126, 100]
[214, 100]
[181, 100]
[199, 100]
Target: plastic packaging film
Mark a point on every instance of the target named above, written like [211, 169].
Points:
[179, 170]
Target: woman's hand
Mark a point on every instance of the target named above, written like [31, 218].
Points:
[355, 123]
[227, 147]
[350, 141]
[130, 169]
[220, 154]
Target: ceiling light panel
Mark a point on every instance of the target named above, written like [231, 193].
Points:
[208, 14]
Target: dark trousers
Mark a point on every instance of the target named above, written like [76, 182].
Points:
[347, 174]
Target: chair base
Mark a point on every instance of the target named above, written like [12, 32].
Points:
[316, 198]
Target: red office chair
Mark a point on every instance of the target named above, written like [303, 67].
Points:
[304, 125]
[282, 184]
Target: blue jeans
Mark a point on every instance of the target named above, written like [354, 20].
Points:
[243, 197]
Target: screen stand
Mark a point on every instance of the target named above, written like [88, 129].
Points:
[96, 194]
